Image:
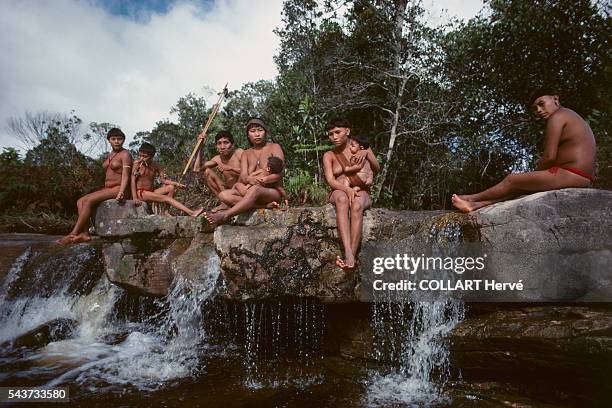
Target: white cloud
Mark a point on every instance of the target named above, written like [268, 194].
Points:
[442, 10]
[67, 54]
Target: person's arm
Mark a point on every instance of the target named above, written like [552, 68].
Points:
[197, 165]
[207, 165]
[137, 202]
[354, 167]
[212, 163]
[368, 155]
[552, 136]
[164, 180]
[126, 170]
[244, 169]
[331, 179]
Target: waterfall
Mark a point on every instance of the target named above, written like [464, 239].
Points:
[411, 335]
[41, 287]
[413, 340]
[105, 351]
[288, 330]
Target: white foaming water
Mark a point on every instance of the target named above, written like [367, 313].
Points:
[417, 341]
[163, 348]
[20, 315]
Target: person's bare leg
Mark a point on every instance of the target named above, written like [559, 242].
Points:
[341, 202]
[522, 183]
[167, 190]
[87, 203]
[230, 197]
[256, 195]
[149, 196]
[361, 203]
[213, 181]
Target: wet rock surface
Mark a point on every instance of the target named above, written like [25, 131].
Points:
[55, 330]
[272, 254]
[13, 245]
[43, 271]
[532, 345]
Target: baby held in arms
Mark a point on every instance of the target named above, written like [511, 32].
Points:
[361, 175]
[275, 165]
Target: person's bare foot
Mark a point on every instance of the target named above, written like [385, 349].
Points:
[463, 205]
[215, 219]
[68, 239]
[82, 237]
[274, 205]
[220, 207]
[464, 197]
[346, 265]
[197, 212]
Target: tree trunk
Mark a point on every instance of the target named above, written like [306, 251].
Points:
[399, 34]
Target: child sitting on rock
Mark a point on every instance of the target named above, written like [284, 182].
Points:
[143, 174]
[275, 166]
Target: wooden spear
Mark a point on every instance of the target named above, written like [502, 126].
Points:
[208, 122]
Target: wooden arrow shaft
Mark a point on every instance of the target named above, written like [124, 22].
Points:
[212, 115]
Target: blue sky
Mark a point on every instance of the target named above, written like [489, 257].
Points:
[140, 10]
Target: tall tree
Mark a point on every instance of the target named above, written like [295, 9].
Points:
[33, 127]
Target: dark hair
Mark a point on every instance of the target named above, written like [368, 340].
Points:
[337, 122]
[276, 164]
[363, 141]
[147, 148]
[224, 134]
[255, 122]
[541, 91]
[115, 132]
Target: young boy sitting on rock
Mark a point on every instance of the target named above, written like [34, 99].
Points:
[568, 160]
[143, 175]
[275, 165]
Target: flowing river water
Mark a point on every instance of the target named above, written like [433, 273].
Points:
[191, 349]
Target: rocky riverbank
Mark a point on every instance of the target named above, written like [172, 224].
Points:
[557, 244]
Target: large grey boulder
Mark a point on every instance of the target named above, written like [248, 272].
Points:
[268, 254]
[120, 220]
[551, 246]
[143, 253]
[557, 245]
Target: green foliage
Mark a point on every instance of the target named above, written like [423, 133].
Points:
[444, 107]
[302, 188]
[36, 222]
[51, 177]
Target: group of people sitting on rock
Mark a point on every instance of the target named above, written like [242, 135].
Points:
[252, 178]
